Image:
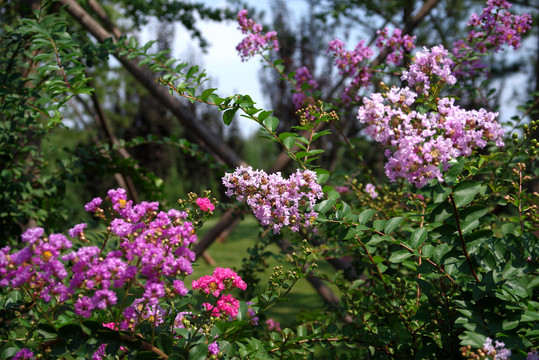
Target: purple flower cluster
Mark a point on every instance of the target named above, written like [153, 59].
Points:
[304, 80]
[428, 64]
[496, 27]
[255, 42]
[24, 354]
[498, 351]
[156, 241]
[276, 201]
[421, 144]
[352, 63]
[397, 44]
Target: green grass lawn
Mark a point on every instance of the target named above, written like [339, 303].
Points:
[230, 254]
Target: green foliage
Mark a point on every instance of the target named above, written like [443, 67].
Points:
[43, 70]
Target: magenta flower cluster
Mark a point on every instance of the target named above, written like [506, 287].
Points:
[276, 201]
[156, 241]
[396, 43]
[223, 279]
[353, 64]
[421, 144]
[255, 41]
[205, 204]
[304, 81]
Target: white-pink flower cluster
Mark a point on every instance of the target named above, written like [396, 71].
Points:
[421, 144]
[276, 201]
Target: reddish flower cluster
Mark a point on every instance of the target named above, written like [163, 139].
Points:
[205, 204]
[223, 279]
[255, 42]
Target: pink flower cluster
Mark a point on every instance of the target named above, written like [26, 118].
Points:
[255, 42]
[371, 190]
[156, 241]
[304, 81]
[421, 144]
[223, 279]
[205, 204]
[352, 63]
[397, 44]
[428, 64]
[273, 325]
[276, 201]
[496, 27]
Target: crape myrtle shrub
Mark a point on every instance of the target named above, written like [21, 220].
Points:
[439, 262]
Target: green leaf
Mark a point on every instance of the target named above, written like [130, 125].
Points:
[263, 116]
[288, 139]
[464, 192]
[47, 331]
[451, 176]
[473, 339]
[206, 93]
[322, 175]
[271, 123]
[399, 256]
[441, 212]
[392, 224]
[365, 216]
[440, 193]
[418, 238]
[164, 342]
[199, 352]
[191, 72]
[229, 115]
[146, 355]
[324, 206]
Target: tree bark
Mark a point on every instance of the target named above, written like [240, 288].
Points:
[146, 79]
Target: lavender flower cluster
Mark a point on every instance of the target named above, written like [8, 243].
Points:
[304, 79]
[255, 41]
[497, 351]
[275, 201]
[352, 63]
[429, 64]
[421, 144]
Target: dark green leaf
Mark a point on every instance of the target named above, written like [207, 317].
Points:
[418, 238]
[229, 115]
[399, 256]
[392, 224]
[464, 192]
